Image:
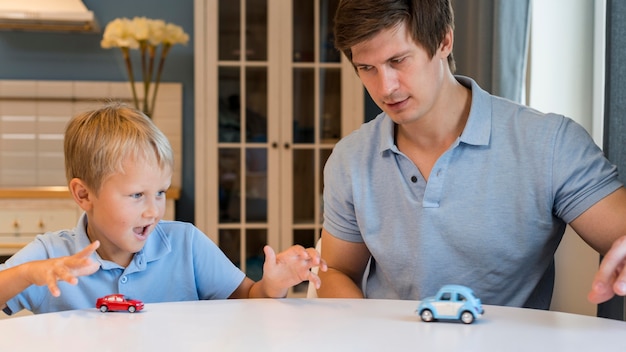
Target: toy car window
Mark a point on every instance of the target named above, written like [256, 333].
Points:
[445, 296]
[462, 298]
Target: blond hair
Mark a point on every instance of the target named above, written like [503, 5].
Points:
[97, 143]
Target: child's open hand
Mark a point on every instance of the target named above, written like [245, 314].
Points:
[68, 268]
[291, 267]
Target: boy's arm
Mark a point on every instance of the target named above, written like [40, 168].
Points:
[282, 271]
[47, 272]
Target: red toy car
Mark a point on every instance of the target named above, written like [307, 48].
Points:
[118, 302]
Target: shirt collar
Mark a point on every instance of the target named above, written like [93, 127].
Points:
[477, 131]
[157, 245]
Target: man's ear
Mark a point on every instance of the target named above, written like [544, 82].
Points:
[447, 43]
[82, 194]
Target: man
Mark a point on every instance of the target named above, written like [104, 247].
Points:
[452, 185]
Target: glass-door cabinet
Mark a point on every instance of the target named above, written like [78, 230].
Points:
[273, 96]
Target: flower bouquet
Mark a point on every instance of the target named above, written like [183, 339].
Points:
[147, 36]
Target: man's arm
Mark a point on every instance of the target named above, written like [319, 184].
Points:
[603, 227]
[346, 265]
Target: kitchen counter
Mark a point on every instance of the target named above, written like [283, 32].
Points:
[56, 192]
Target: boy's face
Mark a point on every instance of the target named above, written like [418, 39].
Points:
[127, 208]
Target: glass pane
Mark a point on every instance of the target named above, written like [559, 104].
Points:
[303, 105]
[229, 184]
[230, 244]
[255, 241]
[256, 30]
[303, 30]
[256, 184]
[305, 238]
[330, 105]
[303, 182]
[324, 154]
[229, 30]
[328, 53]
[229, 105]
[256, 104]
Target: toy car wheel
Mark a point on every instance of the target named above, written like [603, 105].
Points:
[427, 315]
[132, 309]
[104, 308]
[467, 317]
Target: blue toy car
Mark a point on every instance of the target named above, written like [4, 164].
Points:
[452, 302]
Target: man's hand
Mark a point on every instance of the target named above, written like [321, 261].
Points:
[610, 279]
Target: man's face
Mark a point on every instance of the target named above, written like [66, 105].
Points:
[400, 75]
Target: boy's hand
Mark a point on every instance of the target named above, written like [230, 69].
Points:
[610, 279]
[68, 268]
[289, 268]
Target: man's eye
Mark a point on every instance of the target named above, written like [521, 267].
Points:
[365, 68]
[161, 194]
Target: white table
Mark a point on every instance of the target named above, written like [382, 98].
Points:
[306, 325]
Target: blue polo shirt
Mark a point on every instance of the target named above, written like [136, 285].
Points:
[491, 215]
[177, 263]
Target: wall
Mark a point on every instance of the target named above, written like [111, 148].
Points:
[562, 80]
[78, 56]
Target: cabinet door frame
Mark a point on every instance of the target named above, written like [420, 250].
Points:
[206, 23]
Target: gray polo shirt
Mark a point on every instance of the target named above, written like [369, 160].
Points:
[491, 215]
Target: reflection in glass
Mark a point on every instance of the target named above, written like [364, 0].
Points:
[256, 184]
[229, 29]
[256, 104]
[303, 186]
[328, 53]
[330, 104]
[229, 161]
[303, 33]
[256, 30]
[229, 105]
[230, 242]
[256, 239]
[303, 105]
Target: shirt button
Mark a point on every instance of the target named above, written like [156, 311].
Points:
[413, 179]
[124, 279]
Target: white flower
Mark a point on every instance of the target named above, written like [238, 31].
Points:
[174, 34]
[146, 35]
[157, 30]
[119, 33]
[141, 28]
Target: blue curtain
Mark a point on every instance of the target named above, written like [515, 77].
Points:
[491, 44]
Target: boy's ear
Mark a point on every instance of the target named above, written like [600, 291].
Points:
[83, 196]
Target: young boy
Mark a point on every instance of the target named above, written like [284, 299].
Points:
[119, 166]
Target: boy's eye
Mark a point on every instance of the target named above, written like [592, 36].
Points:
[136, 195]
[161, 194]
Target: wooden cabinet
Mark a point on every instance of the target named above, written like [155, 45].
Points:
[27, 212]
[22, 219]
[272, 98]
